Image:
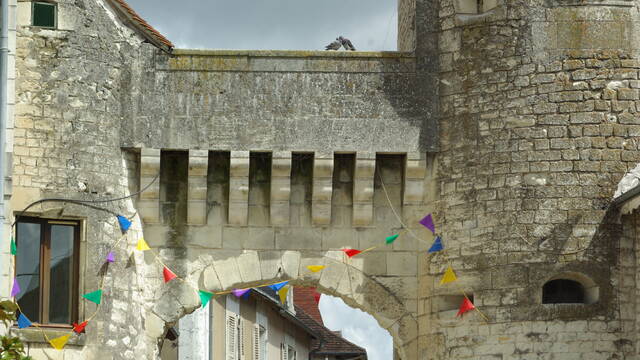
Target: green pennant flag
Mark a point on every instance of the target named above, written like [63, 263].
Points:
[14, 248]
[392, 238]
[95, 296]
[205, 297]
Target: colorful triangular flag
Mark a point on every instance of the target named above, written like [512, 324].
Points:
[205, 297]
[449, 276]
[240, 292]
[79, 328]
[278, 286]
[315, 268]
[111, 257]
[283, 294]
[15, 290]
[427, 222]
[465, 306]
[392, 238]
[59, 342]
[351, 252]
[94, 296]
[168, 274]
[142, 245]
[316, 296]
[23, 322]
[125, 224]
[14, 247]
[437, 245]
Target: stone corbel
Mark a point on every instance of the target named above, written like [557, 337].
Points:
[197, 191]
[239, 188]
[363, 189]
[415, 171]
[280, 187]
[149, 203]
[322, 189]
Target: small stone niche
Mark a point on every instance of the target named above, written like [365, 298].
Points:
[570, 288]
[475, 6]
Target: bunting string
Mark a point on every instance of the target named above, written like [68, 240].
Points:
[281, 287]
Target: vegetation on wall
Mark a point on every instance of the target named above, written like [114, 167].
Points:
[11, 348]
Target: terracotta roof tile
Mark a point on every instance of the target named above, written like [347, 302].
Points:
[304, 297]
[329, 342]
[148, 31]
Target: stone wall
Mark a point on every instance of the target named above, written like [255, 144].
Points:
[536, 130]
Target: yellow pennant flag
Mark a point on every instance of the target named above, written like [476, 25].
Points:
[315, 268]
[283, 294]
[449, 276]
[60, 342]
[142, 245]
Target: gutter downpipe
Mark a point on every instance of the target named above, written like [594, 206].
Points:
[4, 55]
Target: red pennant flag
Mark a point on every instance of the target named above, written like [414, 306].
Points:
[168, 275]
[351, 252]
[79, 328]
[316, 296]
[465, 306]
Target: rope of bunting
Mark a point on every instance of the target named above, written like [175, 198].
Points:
[280, 287]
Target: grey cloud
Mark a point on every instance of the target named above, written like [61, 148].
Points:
[273, 24]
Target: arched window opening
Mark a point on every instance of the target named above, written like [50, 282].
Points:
[570, 288]
[563, 291]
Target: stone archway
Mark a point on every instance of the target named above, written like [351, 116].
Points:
[224, 270]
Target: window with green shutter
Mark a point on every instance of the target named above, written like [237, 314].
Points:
[44, 14]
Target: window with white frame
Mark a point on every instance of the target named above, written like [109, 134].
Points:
[234, 334]
[288, 348]
[260, 334]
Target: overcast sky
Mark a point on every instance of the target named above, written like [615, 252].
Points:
[272, 24]
[358, 327]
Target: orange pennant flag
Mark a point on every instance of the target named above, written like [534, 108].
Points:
[351, 252]
[168, 274]
[465, 306]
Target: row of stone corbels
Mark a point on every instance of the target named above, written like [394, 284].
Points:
[149, 203]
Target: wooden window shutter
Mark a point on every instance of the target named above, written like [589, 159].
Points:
[256, 342]
[283, 352]
[241, 338]
[231, 337]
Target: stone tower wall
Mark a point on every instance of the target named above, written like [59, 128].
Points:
[538, 122]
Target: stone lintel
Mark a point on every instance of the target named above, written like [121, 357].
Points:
[322, 189]
[197, 190]
[239, 188]
[149, 203]
[280, 187]
[363, 188]
[415, 171]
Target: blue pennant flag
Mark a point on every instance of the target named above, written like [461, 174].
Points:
[125, 224]
[23, 322]
[278, 286]
[437, 245]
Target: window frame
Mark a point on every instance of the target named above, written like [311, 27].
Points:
[45, 267]
[55, 14]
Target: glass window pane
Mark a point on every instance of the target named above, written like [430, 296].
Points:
[61, 270]
[28, 269]
[44, 14]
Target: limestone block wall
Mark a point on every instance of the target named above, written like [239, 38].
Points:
[68, 90]
[538, 104]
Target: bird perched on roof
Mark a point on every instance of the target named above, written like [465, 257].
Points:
[334, 45]
[346, 43]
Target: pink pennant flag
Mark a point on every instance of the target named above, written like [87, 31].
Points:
[15, 290]
[111, 257]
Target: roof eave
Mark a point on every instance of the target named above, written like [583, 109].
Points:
[628, 201]
[148, 35]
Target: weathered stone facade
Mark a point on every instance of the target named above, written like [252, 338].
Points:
[514, 126]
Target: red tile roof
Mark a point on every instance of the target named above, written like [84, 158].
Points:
[328, 342]
[305, 298]
[141, 25]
